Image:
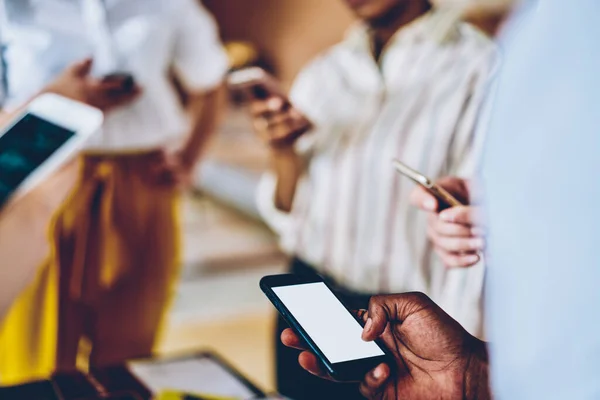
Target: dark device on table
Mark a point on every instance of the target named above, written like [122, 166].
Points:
[311, 308]
[444, 198]
[126, 80]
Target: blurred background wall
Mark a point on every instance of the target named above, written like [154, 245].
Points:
[287, 32]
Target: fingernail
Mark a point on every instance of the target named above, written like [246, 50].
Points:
[476, 243]
[378, 372]
[430, 204]
[472, 259]
[368, 325]
[447, 217]
[275, 103]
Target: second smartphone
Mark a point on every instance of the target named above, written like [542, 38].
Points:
[330, 330]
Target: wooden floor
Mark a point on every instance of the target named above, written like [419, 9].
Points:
[246, 341]
[219, 305]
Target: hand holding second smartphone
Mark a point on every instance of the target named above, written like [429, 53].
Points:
[275, 119]
[328, 328]
[458, 232]
[106, 93]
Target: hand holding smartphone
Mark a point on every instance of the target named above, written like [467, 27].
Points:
[275, 119]
[311, 308]
[444, 198]
[42, 139]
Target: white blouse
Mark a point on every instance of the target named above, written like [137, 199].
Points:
[351, 216]
[148, 38]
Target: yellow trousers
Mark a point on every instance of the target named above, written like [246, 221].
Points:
[110, 279]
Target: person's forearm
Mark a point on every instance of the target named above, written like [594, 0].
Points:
[24, 238]
[477, 385]
[6, 115]
[205, 111]
[288, 167]
[23, 247]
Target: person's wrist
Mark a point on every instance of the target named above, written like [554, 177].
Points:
[188, 157]
[55, 88]
[282, 151]
[477, 379]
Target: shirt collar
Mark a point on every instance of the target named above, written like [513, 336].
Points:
[424, 28]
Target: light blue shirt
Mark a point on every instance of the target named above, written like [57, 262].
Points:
[542, 179]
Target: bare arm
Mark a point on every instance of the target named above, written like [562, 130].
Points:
[279, 125]
[288, 167]
[24, 225]
[205, 110]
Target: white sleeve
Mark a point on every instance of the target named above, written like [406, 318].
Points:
[199, 59]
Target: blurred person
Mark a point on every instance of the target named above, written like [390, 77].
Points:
[24, 222]
[392, 89]
[543, 222]
[104, 293]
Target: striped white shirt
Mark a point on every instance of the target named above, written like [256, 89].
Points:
[351, 216]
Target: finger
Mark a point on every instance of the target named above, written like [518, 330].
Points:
[455, 260]
[109, 86]
[384, 309]
[443, 228]
[460, 215]
[377, 320]
[291, 128]
[290, 339]
[282, 132]
[82, 68]
[119, 99]
[458, 244]
[267, 107]
[373, 383]
[424, 200]
[309, 362]
[361, 315]
[284, 120]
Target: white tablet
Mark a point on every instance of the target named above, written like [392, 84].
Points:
[203, 373]
[41, 139]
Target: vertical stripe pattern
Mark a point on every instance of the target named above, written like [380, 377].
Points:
[416, 106]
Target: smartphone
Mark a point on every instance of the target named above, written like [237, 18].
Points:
[445, 199]
[125, 80]
[40, 140]
[255, 82]
[311, 308]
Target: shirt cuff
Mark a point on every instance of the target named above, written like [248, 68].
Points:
[279, 221]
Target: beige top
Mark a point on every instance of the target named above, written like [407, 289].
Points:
[351, 217]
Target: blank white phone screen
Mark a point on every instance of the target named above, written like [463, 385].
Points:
[327, 322]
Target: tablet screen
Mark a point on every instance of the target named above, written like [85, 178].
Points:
[200, 375]
[27, 145]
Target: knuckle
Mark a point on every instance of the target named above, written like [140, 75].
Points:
[417, 297]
